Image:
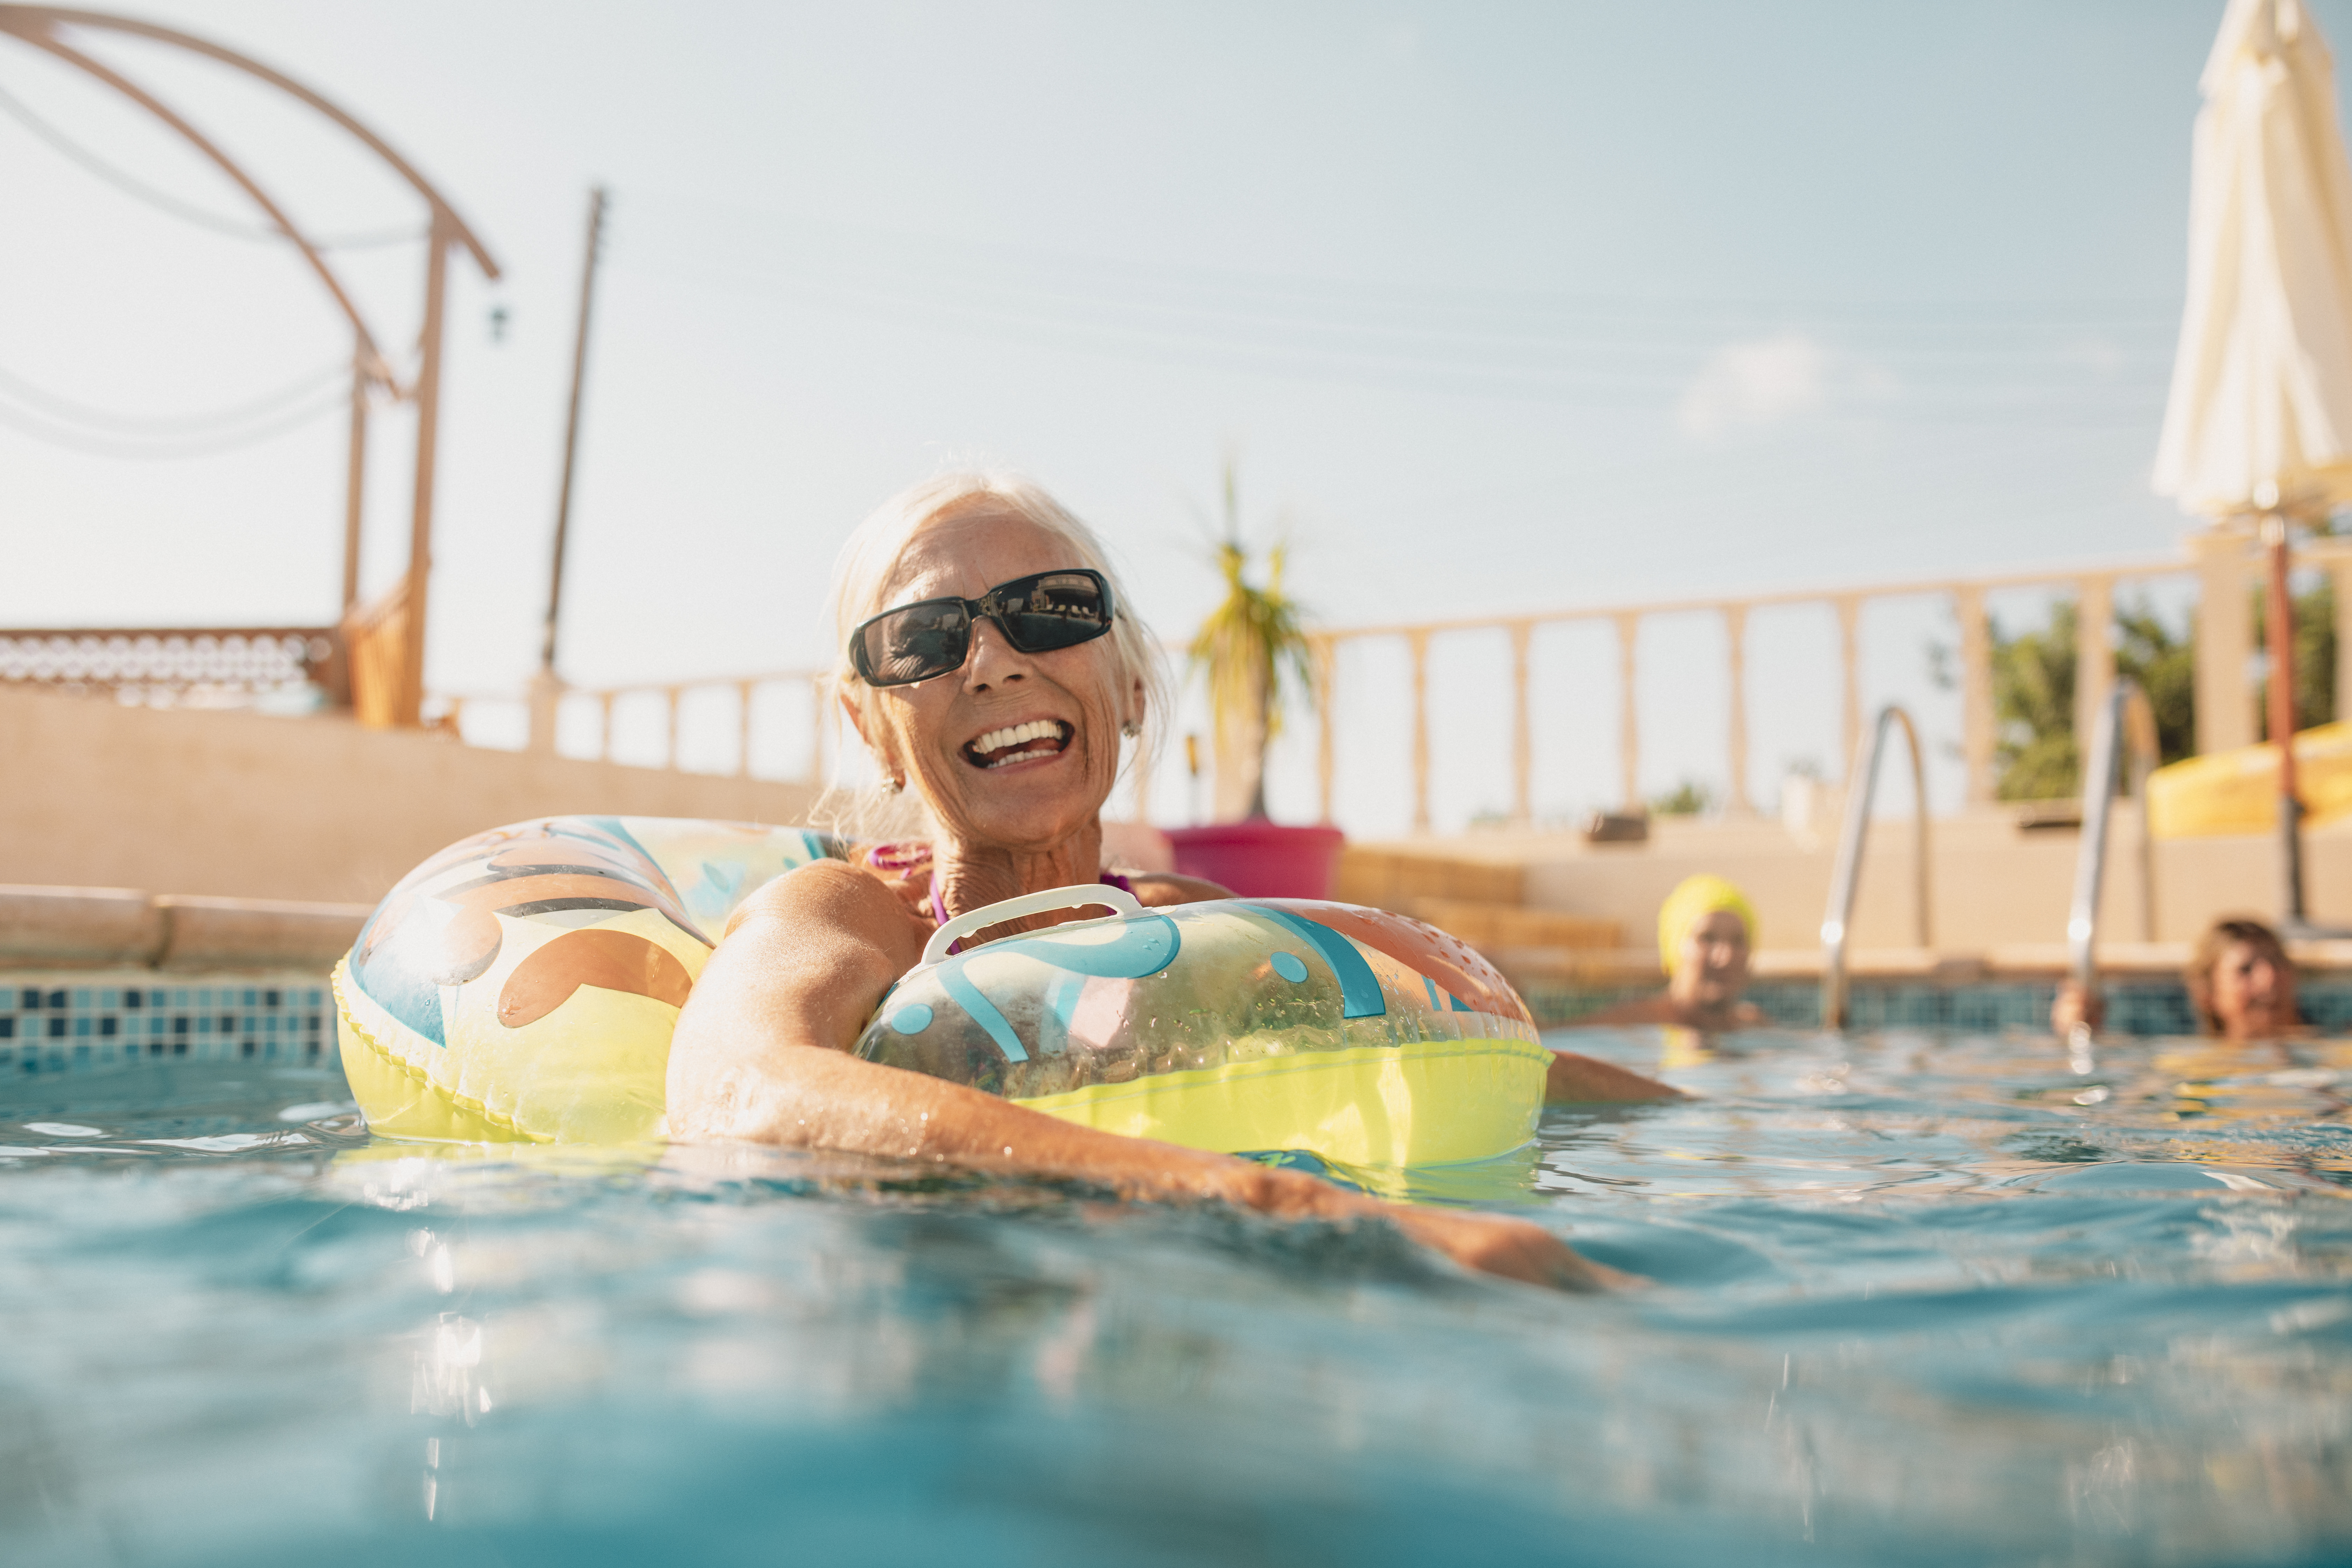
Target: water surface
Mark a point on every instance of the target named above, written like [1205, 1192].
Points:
[1933, 1298]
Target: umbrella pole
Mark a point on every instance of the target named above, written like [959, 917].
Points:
[2281, 617]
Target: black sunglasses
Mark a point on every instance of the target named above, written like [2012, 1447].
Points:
[932, 636]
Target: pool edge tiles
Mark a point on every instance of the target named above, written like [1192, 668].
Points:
[86, 1019]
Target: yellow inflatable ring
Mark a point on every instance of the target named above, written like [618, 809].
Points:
[522, 985]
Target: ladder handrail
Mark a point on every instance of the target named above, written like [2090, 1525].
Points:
[2125, 714]
[1846, 879]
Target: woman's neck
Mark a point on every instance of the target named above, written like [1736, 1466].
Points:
[973, 876]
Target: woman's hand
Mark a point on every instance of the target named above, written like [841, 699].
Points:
[2073, 1008]
[1486, 1244]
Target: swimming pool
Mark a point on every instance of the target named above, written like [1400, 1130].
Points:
[1927, 1296]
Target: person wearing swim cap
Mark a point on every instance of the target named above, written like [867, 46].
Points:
[991, 664]
[1706, 929]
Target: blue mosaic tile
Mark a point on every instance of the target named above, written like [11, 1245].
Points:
[53, 1026]
[2134, 1007]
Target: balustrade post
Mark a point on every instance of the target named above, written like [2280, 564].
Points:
[1849, 615]
[671, 692]
[2094, 656]
[1523, 744]
[1419, 642]
[1326, 679]
[2225, 642]
[1976, 693]
[1735, 630]
[2340, 572]
[604, 735]
[1629, 717]
[743, 728]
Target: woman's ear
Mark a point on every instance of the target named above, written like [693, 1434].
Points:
[881, 754]
[857, 719]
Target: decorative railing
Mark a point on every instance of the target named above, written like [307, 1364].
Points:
[536, 716]
[175, 663]
[250, 659]
[2224, 561]
[2224, 564]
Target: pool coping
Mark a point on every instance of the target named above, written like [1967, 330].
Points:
[119, 928]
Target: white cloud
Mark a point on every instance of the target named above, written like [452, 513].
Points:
[1758, 383]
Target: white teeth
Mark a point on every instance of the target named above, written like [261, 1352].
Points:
[1017, 735]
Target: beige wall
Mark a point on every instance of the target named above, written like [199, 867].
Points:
[237, 804]
[1993, 885]
[233, 805]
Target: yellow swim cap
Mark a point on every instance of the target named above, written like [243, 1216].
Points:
[1691, 902]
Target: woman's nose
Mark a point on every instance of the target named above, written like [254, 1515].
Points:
[993, 660]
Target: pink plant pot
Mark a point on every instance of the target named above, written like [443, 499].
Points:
[1260, 859]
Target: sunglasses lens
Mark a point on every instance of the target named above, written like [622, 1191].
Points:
[1053, 609]
[915, 643]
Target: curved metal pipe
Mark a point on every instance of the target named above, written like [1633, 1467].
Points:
[39, 37]
[1846, 879]
[2126, 718]
[28, 22]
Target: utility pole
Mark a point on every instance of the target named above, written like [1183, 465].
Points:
[546, 687]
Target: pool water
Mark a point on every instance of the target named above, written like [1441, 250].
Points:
[1926, 1297]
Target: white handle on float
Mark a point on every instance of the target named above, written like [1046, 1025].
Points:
[1078, 897]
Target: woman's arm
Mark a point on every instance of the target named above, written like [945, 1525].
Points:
[1575, 1079]
[762, 1054]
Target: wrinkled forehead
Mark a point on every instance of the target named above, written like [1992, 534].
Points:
[966, 552]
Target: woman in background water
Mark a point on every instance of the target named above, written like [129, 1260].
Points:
[1706, 929]
[2241, 986]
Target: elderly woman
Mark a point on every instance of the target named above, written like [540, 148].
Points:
[991, 665]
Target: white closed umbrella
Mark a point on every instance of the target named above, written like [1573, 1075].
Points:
[2259, 422]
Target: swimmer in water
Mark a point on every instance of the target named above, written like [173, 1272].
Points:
[2241, 985]
[1706, 929]
[990, 663]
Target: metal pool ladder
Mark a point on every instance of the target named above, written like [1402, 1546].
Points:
[2125, 717]
[1837, 922]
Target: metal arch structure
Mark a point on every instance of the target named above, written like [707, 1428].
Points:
[39, 26]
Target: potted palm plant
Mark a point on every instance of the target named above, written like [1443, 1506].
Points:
[1254, 655]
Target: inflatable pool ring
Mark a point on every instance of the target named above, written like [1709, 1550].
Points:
[523, 984]
[1242, 1026]
[2237, 791]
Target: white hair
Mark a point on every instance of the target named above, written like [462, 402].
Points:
[862, 576]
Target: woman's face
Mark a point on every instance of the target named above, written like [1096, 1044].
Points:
[1712, 969]
[1015, 750]
[2252, 996]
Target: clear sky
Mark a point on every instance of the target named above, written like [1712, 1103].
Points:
[1502, 308]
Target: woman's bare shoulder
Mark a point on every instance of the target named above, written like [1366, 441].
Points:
[1158, 890]
[827, 891]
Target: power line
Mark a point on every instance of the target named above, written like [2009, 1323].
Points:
[1544, 380]
[188, 212]
[66, 411]
[870, 246]
[166, 452]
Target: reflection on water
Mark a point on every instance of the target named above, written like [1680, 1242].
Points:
[1919, 1298]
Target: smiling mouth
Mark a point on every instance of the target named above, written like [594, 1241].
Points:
[1018, 744]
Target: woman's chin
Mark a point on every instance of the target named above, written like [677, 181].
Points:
[1045, 808]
